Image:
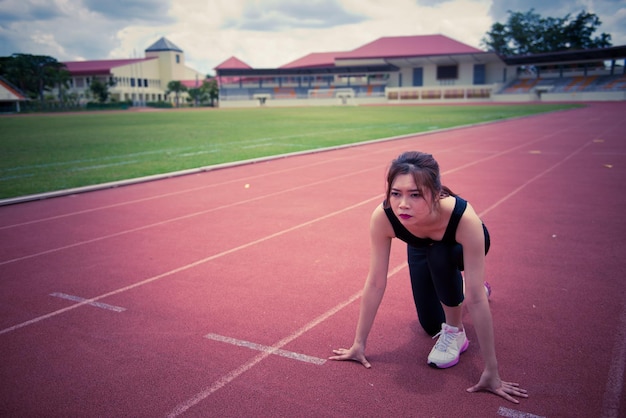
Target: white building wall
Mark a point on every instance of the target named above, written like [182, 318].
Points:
[494, 73]
[7, 95]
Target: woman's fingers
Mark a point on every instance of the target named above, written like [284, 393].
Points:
[339, 352]
[505, 391]
[514, 389]
[345, 354]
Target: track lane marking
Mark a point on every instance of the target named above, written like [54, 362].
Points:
[615, 381]
[266, 349]
[512, 413]
[94, 304]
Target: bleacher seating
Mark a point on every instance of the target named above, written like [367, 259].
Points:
[284, 93]
[521, 85]
[615, 83]
[592, 83]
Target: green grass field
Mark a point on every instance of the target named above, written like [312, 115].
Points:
[42, 153]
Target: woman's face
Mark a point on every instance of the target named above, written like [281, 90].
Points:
[407, 201]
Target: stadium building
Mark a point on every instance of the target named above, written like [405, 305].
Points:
[389, 70]
[425, 69]
[138, 80]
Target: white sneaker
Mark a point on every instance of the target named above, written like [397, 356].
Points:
[449, 346]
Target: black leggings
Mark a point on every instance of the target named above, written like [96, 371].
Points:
[435, 279]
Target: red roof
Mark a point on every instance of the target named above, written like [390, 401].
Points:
[233, 63]
[410, 46]
[100, 66]
[192, 84]
[316, 59]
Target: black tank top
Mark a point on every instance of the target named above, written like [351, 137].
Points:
[448, 237]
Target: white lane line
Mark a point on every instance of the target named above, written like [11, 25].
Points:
[99, 166]
[87, 160]
[266, 349]
[615, 380]
[96, 304]
[512, 413]
[229, 377]
[7, 178]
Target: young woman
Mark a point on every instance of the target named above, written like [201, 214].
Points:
[444, 236]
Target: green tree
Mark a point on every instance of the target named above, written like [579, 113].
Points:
[212, 89]
[197, 95]
[32, 74]
[61, 80]
[100, 89]
[207, 92]
[530, 33]
[177, 88]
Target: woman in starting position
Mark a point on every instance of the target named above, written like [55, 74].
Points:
[444, 236]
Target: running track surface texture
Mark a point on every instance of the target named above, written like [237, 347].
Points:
[197, 296]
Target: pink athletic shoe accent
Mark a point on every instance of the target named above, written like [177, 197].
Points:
[487, 289]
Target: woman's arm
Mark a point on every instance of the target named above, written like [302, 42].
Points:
[381, 234]
[471, 236]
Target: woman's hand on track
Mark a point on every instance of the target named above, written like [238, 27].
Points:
[492, 383]
[355, 353]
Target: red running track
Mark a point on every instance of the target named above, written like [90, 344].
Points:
[196, 296]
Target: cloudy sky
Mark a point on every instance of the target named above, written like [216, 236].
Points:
[262, 33]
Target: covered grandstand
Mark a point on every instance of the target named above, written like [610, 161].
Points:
[425, 69]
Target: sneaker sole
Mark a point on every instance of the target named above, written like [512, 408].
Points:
[453, 362]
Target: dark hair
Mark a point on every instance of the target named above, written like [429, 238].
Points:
[425, 171]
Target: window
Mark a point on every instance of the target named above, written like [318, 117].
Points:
[447, 72]
[479, 74]
[177, 59]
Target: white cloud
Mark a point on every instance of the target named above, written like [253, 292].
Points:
[263, 33]
[207, 43]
